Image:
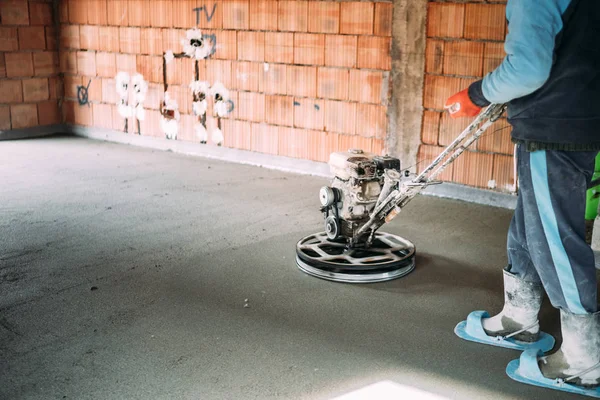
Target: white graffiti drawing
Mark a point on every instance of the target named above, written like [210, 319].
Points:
[169, 121]
[195, 45]
[124, 84]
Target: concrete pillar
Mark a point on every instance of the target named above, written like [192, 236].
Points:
[405, 111]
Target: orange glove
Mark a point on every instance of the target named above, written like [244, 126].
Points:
[461, 105]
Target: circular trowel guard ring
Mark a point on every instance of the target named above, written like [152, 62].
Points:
[390, 257]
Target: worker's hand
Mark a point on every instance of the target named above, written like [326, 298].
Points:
[460, 105]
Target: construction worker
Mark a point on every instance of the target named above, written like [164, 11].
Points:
[550, 80]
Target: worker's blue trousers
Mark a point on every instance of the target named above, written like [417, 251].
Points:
[546, 238]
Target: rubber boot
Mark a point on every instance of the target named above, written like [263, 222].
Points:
[580, 351]
[522, 303]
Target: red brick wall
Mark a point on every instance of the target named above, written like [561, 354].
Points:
[464, 42]
[29, 83]
[324, 89]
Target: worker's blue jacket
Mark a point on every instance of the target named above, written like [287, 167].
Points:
[550, 77]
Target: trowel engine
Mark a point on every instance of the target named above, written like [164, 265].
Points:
[361, 181]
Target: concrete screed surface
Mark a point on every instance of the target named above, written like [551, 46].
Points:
[124, 273]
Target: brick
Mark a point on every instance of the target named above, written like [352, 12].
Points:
[273, 80]
[18, 64]
[236, 14]
[55, 88]
[302, 81]
[12, 91]
[9, 39]
[86, 63]
[40, 14]
[434, 56]
[151, 41]
[106, 65]
[126, 63]
[497, 139]
[151, 68]
[102, 116]
[14, 12]
[68, 62]
[340, 117]
[63, 11]
[109, 38]
[153, 96]
[323, 17]
[450, 128]
[445, 20]
[161, 14]
[97, 12]
[69, 37]
[4, 118]
[322, 144]
[426, 155]
[439, 88]
[473, 169]
[341, 50]
[83, 115]
[150, 126]
[485, 21]
[309, 49]
[109, 91]
[129, 40]
[78, 11]
[378, 147]
[68, 112]
[117, 12]
[493, 55]
[347, 142]
[431, 127]
[463, 58]
[504, 173]
[89, 37]
[293, 16]
[227, 45]
[333, 83]
[251, 106]
[51, 38]
[279, 110]
[172, 39]
[219, 71]
[144, 66]
[279, 47]
[294, 142]
[309, 114]
[211, 15]
[71, 85]
[371, 120]
[35, 90]
[32, 38]
[374, 52]
[138, 12]
[23, 115]
[265, 138]
[245, 75]
[251, 46]
[238, 134]
[94, 86]
[2, 66]
[263, 15]
[184, 14]
[356, 18]
[187, 71]
[383, 19]
[49, 113]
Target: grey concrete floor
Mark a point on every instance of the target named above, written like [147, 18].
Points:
[124, 273]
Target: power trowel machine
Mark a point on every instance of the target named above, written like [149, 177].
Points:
[368, 191]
